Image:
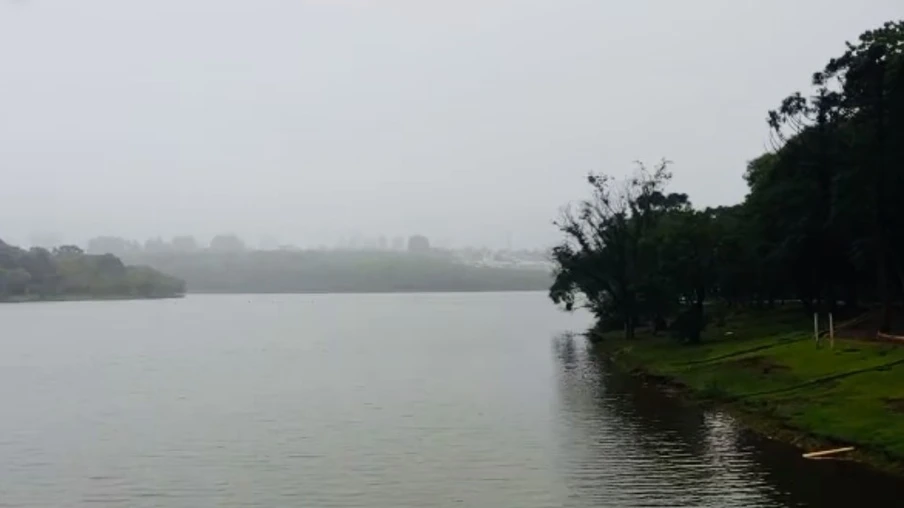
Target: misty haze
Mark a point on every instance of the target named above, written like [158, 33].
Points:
[317, 122]
[411, 253]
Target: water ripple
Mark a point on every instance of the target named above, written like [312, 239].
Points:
[356, 401]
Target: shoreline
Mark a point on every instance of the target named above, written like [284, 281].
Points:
[759, 414]
[86, 298]
[367, 292]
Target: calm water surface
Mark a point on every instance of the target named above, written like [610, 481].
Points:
[459, 400]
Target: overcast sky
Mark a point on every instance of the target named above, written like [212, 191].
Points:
[471, 121]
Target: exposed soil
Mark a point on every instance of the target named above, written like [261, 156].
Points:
[761, 364]
[896, 405]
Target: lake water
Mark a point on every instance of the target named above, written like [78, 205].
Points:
[455, 400]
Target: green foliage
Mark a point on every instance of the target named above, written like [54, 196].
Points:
[850, 394]
[823, 222]
[605, 264]
[69, 273]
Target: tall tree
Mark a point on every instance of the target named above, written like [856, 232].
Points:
[823, 222]
[600, 265]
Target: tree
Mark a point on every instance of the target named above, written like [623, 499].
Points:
[835, 190]
[687, 242]
[38, 262]
[823, 222]
[38, 273]
[109, 266]
[601, 265]
[17, 281]
[869, 75]
[4, 283]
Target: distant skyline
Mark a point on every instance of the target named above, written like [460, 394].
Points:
[381, 242]
[308, 121]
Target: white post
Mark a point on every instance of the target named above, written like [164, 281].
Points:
[816, 327]
[832, 330]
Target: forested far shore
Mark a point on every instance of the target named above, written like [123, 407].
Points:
[823, 222]
[67, 273]
[317, 271]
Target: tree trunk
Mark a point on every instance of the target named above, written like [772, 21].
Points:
[881, 231]
[851, 299]
[629, 328]
[884, 293]
[697, 316]
[699, 312]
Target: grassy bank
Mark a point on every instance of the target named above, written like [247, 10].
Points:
[767, 367]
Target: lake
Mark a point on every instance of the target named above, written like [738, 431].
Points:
[428, 400]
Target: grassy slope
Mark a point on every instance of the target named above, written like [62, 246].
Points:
[771, 367]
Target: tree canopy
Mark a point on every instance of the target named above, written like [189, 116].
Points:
[823, 222]
[67, 272]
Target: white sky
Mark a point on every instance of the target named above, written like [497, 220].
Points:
[469, 121]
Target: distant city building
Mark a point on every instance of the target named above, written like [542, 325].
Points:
[46, 240]
[268, 242]
[419, 244]
[184, 244]
[227, 243]
[523, 259]
[112, 245]
[368, 243]
[152, 245]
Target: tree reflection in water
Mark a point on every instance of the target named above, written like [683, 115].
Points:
[625, 442]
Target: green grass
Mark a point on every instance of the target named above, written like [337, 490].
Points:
[767, 365]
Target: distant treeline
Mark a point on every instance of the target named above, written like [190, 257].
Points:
[823, 222]
[336, 272]
[67, 272]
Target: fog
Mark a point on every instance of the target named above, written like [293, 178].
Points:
[469, 121]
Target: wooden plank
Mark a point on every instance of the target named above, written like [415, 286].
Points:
[825, 453]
